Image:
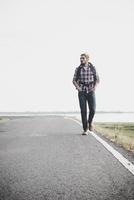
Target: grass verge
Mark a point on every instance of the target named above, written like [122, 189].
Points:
[120, 133]
[2, 119]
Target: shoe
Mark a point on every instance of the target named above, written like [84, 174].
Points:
[85, 133]
[91, 128]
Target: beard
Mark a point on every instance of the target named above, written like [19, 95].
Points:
[83, 64]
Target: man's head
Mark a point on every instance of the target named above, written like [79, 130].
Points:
[84, 58]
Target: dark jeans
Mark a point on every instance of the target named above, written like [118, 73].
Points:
[85, 98]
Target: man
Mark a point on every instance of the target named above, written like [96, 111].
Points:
[85, 80]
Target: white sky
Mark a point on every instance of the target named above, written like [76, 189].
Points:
[40, 45]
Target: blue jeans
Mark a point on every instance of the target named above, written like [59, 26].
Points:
[85, 98]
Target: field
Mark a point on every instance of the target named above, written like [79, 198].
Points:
[121, 133]
[3, 119]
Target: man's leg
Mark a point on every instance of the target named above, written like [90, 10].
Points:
[92, 107]
[83, 108]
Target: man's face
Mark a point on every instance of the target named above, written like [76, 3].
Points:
[83, 60]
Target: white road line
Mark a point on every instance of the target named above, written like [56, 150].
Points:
[127, 164]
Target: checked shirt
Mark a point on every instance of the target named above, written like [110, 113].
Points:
[87, 77]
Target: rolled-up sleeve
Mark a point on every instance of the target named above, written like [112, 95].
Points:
[97, 77]
[75, 75]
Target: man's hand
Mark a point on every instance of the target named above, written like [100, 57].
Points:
[79, 88]
[94, 88]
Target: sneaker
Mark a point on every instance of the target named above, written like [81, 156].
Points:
[91, 128]
[85, 133]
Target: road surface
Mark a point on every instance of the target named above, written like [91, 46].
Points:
[47, 158]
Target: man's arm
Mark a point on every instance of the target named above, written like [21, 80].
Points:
[97, 80]
[74, 80]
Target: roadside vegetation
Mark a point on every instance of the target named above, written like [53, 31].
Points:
[120, 133]
[3, 119]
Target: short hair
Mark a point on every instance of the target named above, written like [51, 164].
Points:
[86, 55]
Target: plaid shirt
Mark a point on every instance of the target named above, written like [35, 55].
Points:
[87, 77]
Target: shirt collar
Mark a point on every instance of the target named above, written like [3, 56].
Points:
[83, 66]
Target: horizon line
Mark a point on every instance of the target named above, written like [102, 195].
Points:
[98, 111]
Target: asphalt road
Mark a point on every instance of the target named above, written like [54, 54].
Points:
[47, 158]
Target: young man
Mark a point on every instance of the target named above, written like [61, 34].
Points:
[85, 80]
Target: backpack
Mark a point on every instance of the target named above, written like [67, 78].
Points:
[92, 69]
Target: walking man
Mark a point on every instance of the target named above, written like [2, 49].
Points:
[85, 80]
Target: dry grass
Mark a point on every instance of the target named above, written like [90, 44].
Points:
[120, 133]
[2, 119]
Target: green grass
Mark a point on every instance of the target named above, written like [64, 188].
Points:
[2, 119]
[121, 133]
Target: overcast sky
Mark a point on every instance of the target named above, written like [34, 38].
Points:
[40, 45]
